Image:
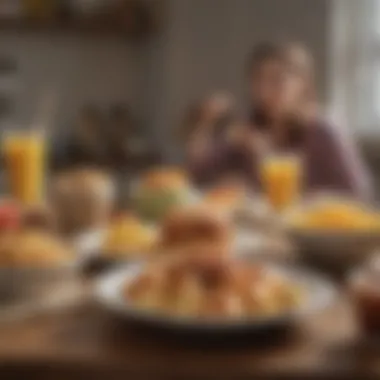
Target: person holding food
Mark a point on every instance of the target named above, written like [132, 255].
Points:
[283, 118]
[205, 130]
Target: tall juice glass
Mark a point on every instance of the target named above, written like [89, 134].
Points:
[281, 177]
[24, 155]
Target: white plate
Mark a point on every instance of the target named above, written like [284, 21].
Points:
[257, 244]
[108, 292]
[17, 283]
[246, 244]
[88, 243]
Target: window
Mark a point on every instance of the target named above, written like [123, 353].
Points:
[355, 51]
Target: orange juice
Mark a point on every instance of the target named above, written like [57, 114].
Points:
[24, 155]
[281, 180]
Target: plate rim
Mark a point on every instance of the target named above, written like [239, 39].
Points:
[326, 294]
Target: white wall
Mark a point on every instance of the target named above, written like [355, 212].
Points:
[80, 70]
[201, 49]
[205, 44]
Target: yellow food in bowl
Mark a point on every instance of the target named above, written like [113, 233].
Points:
[32, 249]
[128, 236]
[337, 216]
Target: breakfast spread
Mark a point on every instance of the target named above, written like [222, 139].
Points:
[187, 247]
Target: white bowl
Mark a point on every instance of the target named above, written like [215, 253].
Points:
[88, 243]
[332, 249]
[21, 283]
[255, 213]
[251, 244]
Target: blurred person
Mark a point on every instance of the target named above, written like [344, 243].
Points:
[87, 143]
[205, 134]
[119, 136]
[284, 117]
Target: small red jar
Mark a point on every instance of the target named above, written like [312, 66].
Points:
[365, 288]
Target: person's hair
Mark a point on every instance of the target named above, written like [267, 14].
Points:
[263, 52]
[299, 60]
[293, 54]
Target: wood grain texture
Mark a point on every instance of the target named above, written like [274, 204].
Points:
[84, 340]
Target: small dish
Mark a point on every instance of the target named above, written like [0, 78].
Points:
[337, 247]
[365, 293]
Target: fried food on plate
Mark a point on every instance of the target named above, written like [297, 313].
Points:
[212, 287]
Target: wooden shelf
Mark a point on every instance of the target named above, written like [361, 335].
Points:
[131, 20]
[74, 28]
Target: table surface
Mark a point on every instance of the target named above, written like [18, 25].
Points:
[83, 339]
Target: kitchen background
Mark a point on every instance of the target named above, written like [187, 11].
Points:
[187, 49]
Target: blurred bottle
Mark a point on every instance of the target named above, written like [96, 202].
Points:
[65, 11]
[131, 17]
[90, 135]
[25, 157]
[120, 120]
[41, 10]
[119, 131]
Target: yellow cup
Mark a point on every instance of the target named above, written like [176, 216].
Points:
[281, 180]
[24, 155]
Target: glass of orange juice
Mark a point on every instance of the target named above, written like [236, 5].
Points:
[24, 155]
[281, 177]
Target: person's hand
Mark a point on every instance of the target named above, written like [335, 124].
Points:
[247, 139]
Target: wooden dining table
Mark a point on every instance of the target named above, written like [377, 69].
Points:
[81, 340]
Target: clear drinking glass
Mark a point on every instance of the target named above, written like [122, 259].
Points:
[281, 178]
[24, 154]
